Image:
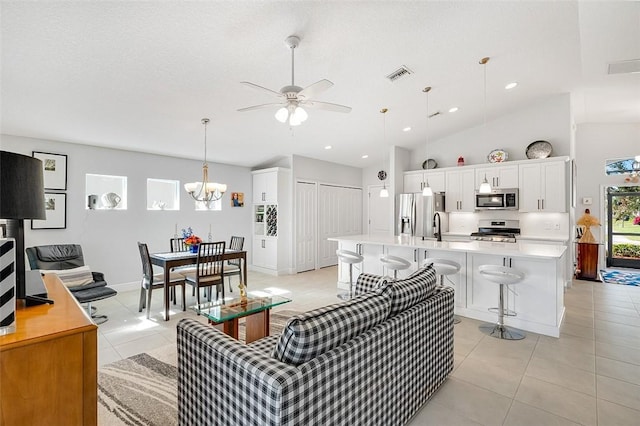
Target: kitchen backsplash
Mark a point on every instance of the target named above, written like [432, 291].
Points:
[550, 225]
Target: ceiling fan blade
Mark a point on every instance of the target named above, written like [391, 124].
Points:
[251, 108]
[327, 106]
[314, 89]
[261, 88]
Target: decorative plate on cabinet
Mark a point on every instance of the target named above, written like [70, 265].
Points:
[497, 156]
[429, 163]
[539, 149]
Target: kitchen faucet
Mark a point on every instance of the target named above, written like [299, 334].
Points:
[438, 234]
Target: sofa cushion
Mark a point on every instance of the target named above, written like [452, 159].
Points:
[368, 282]
[411, 290]
[313, 333]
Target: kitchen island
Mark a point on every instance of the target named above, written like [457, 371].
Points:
[538, 300]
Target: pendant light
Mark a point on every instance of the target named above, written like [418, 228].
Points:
[382, 175]
[485, 187]
[426, 189]
[205, 191]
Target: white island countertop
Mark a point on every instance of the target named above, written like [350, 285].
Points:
[518, 249]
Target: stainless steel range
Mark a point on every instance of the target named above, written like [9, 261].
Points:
[497, 230]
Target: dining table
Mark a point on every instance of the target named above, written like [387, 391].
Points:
[170, 260]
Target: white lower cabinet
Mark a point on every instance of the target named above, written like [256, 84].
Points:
[457, 281]
[537, 300]
[265, 252]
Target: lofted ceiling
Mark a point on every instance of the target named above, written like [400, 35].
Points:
[140, 75]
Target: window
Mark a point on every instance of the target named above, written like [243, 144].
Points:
[163, 194]
[618, 166]
[104, 192]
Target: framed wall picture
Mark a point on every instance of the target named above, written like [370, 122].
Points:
[55, 170]
[55, 206]
[237, 199]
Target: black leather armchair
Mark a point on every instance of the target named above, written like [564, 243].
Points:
[69, 256]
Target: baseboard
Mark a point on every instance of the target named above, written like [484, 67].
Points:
[135, 285]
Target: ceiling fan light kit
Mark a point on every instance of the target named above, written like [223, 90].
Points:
[294, 98]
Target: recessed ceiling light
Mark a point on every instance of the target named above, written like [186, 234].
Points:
[511, 85]
[328, 147]
[365, 156]
[454, 109]
[406, 129]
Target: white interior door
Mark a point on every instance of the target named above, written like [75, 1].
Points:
[306, 225]
[378, 210]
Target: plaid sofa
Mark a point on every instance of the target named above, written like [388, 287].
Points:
[380, 376]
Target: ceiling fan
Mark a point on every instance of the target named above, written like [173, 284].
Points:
[293, 97]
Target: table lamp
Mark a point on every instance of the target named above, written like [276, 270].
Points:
[21, 197]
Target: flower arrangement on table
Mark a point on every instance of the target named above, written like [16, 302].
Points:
[191, 240]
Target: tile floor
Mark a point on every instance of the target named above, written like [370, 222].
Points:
[589, 376]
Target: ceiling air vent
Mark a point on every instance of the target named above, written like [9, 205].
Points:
[403, 71]
[625, 67]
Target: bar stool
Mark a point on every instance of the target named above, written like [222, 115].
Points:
[504, 276]
[350, 258]
[395, 263]
[444, 267]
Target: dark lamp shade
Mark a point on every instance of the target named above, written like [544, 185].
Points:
[21, 187]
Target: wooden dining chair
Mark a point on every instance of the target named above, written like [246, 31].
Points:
[209, 269]
[151, 281]
[177, 245]
[233, 266]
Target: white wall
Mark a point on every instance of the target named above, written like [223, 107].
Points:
[549, 120]
[594, 144]
[109, 237]
[325, 172]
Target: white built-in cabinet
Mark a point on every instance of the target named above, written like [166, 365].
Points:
[498, 176]
[543, 187]
[271, 220]
[265, 186]
[415, 181]
[459, 192]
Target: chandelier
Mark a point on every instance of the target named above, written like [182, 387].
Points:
[205, 191]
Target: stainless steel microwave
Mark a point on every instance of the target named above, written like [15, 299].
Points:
[498, 199]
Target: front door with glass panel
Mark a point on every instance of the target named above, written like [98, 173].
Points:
[623, 226]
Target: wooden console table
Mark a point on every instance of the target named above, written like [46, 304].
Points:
[587, 266]
[48, 367]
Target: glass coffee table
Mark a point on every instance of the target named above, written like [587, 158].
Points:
[256, 308]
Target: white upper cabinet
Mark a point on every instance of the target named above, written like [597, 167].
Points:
[543, 187]
[414, 181]
[265, 186]
[498, 176]
[460, 190]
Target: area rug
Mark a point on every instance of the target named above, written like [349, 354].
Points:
[142, 390]
[139, 390]
[620, 277]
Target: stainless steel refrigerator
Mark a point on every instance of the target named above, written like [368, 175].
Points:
[417, 215]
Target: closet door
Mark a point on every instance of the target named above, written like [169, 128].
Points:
[306, 225]
[339, 214]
